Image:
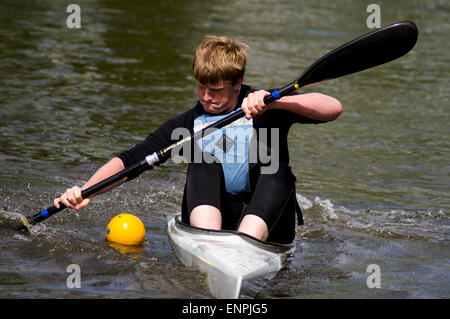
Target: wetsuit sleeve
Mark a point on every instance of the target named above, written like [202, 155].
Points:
[157, 140]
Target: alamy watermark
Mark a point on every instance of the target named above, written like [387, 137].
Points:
[74, 279]
[232, 149]
[73, 21]
[374, 279]
[374, 19]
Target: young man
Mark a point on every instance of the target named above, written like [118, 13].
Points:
[233, 190]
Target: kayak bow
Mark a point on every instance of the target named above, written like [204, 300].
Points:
[230, 259]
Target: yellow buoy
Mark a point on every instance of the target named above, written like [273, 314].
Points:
[125, 229]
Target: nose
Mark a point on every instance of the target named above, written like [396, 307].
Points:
[206, 94]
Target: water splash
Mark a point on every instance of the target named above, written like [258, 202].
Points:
[322, 215]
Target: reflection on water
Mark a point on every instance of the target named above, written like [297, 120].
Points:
[373, 184]
[131, 250]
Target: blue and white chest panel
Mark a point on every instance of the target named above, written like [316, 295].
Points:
[230, 145]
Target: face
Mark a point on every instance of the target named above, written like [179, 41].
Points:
[219, 98]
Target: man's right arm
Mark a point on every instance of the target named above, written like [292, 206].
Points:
[72, 197]
[155, 141]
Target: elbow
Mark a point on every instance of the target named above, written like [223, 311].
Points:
[327, 107]
[334, 109]
[337, 109]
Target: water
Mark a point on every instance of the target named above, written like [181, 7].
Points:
[373, 184]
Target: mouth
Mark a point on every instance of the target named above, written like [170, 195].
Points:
[212, 105]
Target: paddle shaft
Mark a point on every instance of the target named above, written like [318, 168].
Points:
[148, 163]
[369, 50]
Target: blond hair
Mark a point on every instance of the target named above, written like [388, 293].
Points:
[220, 59]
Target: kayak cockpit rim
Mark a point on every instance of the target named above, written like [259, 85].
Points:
[270, 246]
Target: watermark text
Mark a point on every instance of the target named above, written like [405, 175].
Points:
[74, 279]
[374, 19]
[374, 279]
[73, 21]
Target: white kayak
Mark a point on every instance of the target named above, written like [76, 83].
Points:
[230, 259]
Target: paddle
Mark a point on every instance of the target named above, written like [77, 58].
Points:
[369, 50]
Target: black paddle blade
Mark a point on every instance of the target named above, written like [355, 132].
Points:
[367, 51]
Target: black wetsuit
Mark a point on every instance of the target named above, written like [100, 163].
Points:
[269, 196]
